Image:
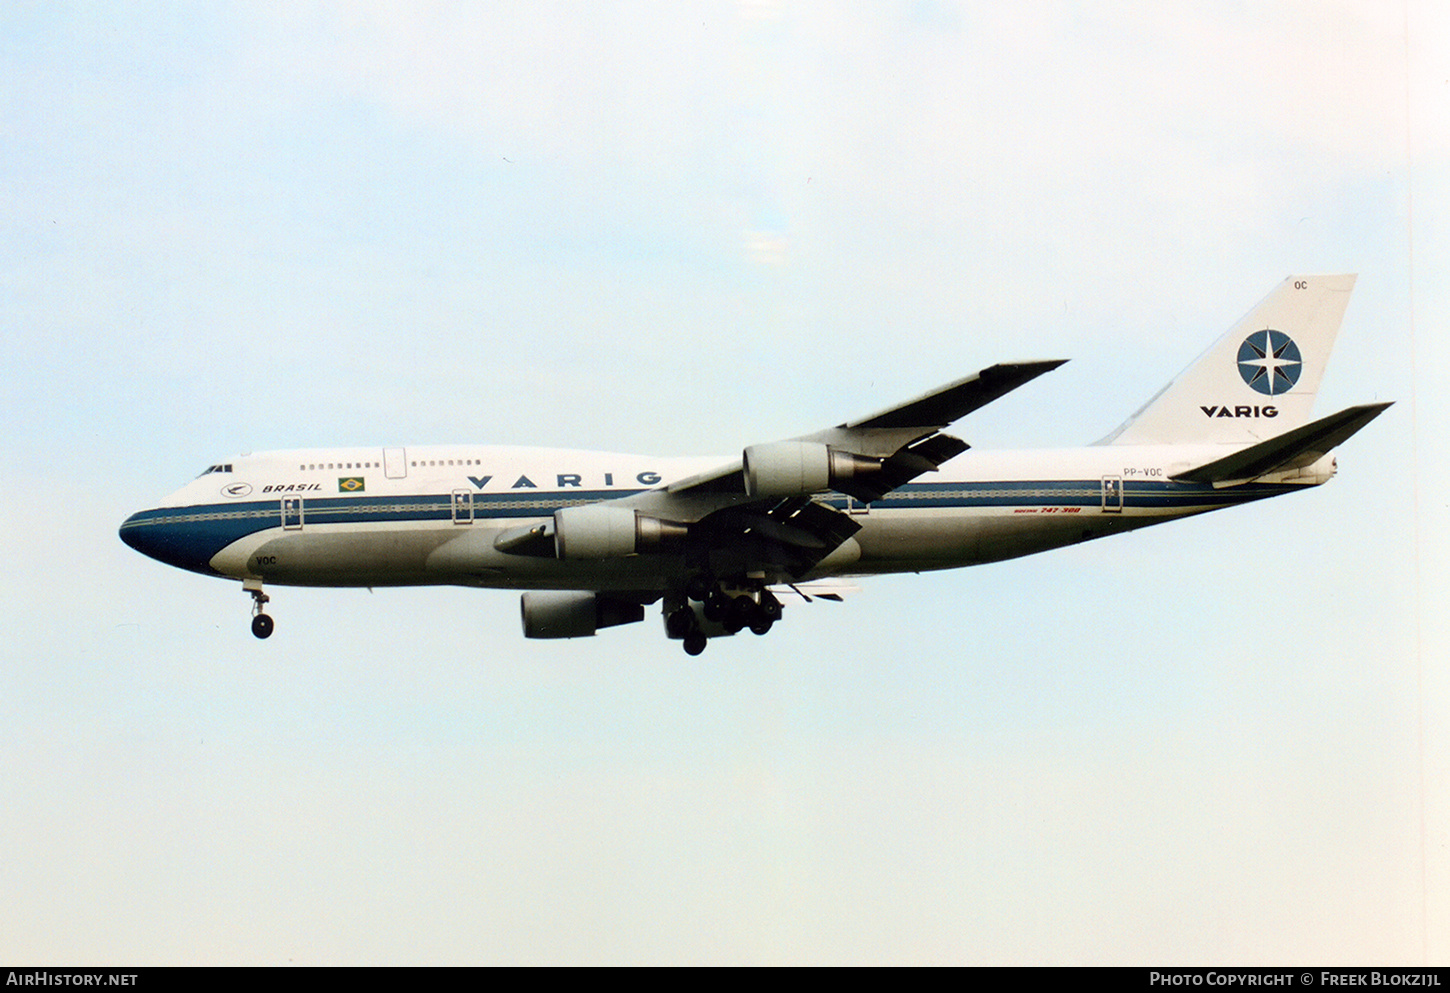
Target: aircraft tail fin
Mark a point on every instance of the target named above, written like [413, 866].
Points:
[1258, 380]
[1291, 450]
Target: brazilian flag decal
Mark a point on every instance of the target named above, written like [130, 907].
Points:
[352, 484]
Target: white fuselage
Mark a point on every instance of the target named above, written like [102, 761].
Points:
[430, 516]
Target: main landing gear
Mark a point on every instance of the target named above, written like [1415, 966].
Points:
[710, 610]
[261, 622]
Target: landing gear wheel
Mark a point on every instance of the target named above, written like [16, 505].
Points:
[698, 586]
[261, 623]
[680, 622]
[694, 643]
[740, 614]
[770, 607]
[717, 605]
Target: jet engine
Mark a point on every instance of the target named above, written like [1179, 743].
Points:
[800, 468]
[574, 614]
[599, 531]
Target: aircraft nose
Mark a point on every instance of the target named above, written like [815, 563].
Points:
[130, 535]
[164, 537]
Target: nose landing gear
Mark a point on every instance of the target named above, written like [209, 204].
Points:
[261, 622]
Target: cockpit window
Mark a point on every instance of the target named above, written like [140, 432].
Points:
[216, 468]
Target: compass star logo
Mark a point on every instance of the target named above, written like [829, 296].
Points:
[1269, 362]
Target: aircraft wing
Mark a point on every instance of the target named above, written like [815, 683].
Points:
[761, 509]
[955, 400]
[905, 436]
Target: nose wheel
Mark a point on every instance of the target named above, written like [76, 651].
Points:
[261, 621]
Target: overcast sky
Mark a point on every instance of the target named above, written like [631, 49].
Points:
[678, 228]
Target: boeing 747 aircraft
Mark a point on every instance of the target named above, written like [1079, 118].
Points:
[718, 542]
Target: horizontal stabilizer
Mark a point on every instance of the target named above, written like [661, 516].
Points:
[1291, 450]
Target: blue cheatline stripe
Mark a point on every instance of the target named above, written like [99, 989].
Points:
[244, 518]
[188, 537]
[1070, 493]
[209, 528]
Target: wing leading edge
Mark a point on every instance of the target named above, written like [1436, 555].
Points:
[956, 400]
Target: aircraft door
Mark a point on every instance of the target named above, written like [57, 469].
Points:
[1112, 494]
[292, 513]
[395, 463]
[462, 507]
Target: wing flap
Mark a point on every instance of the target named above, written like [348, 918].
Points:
[817, 589]
[793, 535]
[908, 463]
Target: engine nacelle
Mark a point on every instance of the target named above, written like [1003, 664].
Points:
[574, 614]
[799, 468]
[600, 531]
